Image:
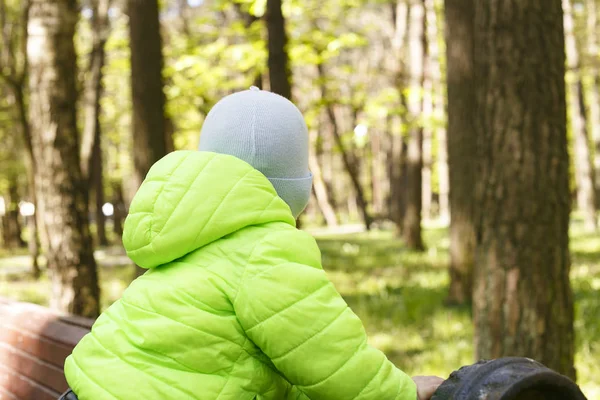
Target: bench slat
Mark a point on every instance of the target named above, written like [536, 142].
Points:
[21, 387]
[45, 324]
[40, 371]
[5, 395]
[35, 345]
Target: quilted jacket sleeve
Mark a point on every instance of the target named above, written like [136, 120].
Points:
[295, 315]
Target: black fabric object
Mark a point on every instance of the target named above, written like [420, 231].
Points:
[68, 395]
[509, 378]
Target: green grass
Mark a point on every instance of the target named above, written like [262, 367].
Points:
[400, 295]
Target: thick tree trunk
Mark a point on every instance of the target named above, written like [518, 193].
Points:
[417, 42]
[523, 304]
[149, 124]
[60, 189]
[91, 148]
[147, 86]
[279, 68]
[594, 94]
[584, 173]
[461, 146]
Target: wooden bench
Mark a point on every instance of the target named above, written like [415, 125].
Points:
[34, 343]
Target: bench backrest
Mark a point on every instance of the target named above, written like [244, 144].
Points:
[34, 342]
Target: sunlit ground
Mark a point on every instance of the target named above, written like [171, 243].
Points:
[398, 294]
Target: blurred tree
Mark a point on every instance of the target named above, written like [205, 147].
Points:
[417, 44]
[461, 146]
[523, 304]
[584, 172]
[13, 70]
[279, 68]
[149, 134]
[593, 51]
[148, 99]
[60, 189]
[398, 149]
[91, 142]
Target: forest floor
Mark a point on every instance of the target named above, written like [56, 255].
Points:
[398, 294]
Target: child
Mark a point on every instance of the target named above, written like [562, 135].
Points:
[235, 304]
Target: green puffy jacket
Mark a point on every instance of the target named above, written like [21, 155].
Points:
[235, 304]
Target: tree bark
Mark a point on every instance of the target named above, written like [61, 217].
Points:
[461, 141]
[594, 94]
[91, 148]
[411, 224]
[279, 68]
[523, 304]
[584, 173]
[60, 188]
[149, 124]
[147, 86]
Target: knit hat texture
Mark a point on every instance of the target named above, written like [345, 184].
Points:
[268, 132]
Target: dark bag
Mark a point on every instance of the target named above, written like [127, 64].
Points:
[68, 395]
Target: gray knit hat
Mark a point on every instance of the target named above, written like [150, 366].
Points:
[268, 132]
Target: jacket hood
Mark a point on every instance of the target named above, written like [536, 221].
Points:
[190, 199]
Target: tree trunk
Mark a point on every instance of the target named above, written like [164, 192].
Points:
[349, 160]
[96, 182]
[438, 94]
[584, 173]
[11, 228]
[426, 174]
[120, 211]
[60, 189]
[91, 148]
[279, 69]
[147, 86]
[594, 95]
[378, 172]
[411, 224]
[319, 186]
[16, 83]
[442, 169]
[523, 304]
[461, 146]
[149, 144]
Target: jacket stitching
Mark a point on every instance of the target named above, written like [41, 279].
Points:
[92, 380]
[289, 306]
[179, 322]
[314, 335]
[372, 379]
[344, 364]
[138, 369]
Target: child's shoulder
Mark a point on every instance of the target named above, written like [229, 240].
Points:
[285, 244]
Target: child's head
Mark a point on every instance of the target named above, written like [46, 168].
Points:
[269, 133]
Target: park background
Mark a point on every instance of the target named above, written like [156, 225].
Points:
[455, 147]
